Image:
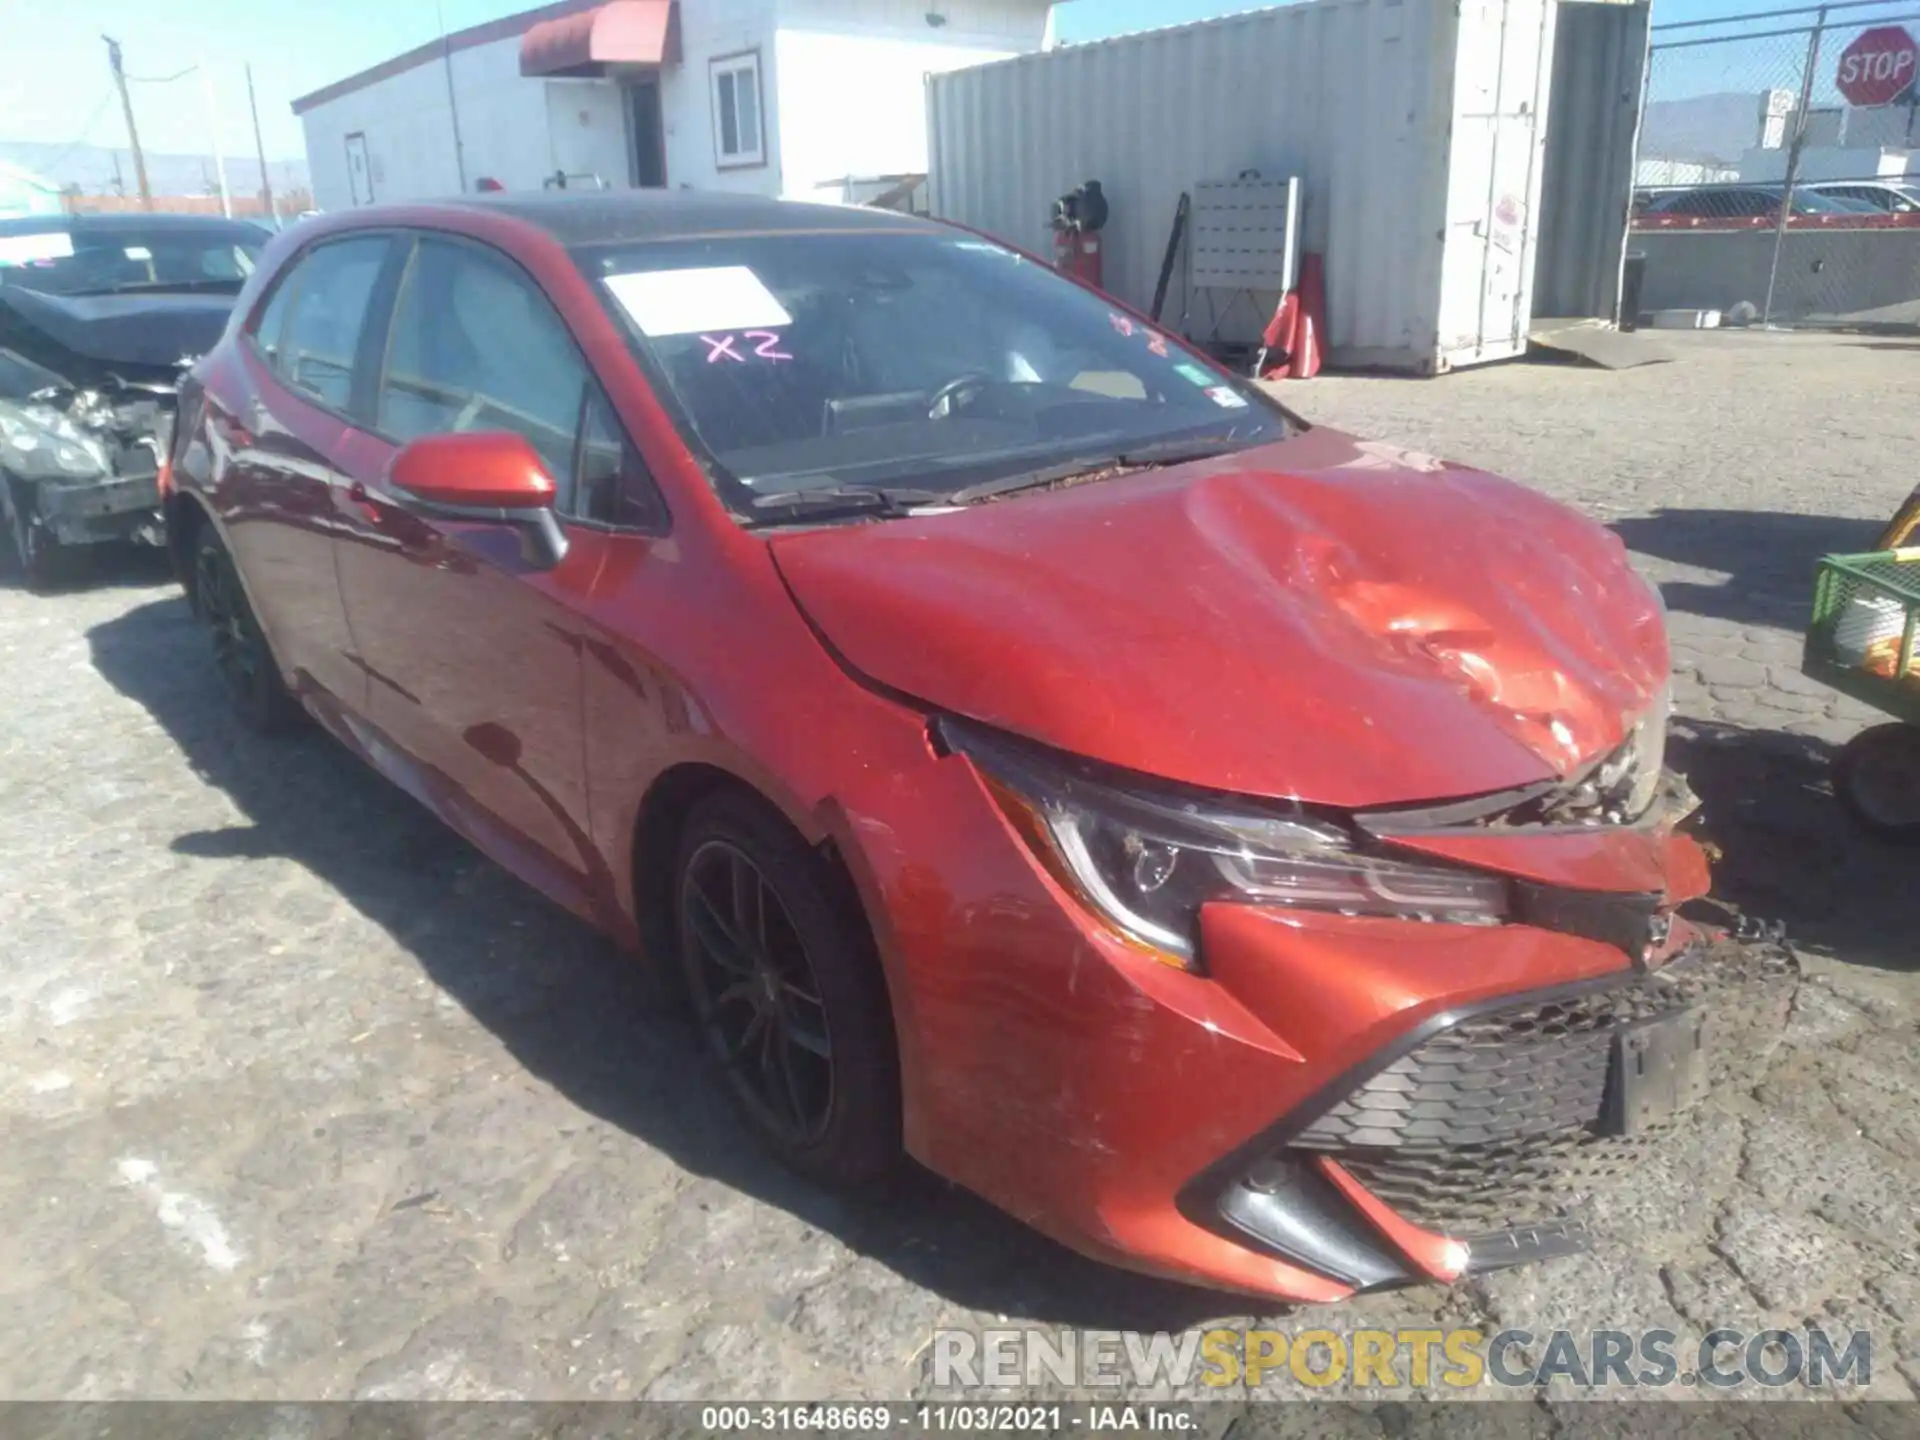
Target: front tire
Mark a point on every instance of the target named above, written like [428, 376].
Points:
[40, 559]
[787, 994]
[240, 654]
[1877, 777]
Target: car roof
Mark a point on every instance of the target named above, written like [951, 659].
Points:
[144, 222]
[612, 217]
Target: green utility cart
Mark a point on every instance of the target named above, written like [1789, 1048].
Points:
[1862, 642]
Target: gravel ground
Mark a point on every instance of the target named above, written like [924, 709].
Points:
[299, 1098]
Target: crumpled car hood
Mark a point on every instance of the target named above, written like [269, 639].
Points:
[1329, 619]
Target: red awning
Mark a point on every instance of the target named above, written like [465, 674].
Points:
[625, 32]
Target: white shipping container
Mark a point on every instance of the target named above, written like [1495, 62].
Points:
[1418, 128]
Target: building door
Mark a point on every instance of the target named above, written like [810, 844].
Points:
[1587, 181]
[359, 169]
[648, 127]
[1501, 79]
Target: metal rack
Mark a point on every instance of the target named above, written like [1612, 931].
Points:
[1245, 241]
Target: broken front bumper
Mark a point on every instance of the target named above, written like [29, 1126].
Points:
[84, 512]
[1475, 1141]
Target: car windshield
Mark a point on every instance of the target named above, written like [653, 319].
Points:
[925, 361]
[80, 261]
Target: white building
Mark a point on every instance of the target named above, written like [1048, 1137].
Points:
[775, 97]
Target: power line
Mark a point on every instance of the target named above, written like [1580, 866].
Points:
[162, 79]
[86, 132]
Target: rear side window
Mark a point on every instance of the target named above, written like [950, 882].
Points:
[474, 346]
[266, 332]
[312, 343]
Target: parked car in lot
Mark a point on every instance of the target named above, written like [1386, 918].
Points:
[98, 315]
[1238, 849]
[1729, 202]
[1882, 197]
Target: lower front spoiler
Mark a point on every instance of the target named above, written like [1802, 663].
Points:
[1478, 1142]
[119, 509]
[1297, 1209]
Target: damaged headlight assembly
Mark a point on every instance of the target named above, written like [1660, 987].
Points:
[1145, 857]
[1623, 786]
[38, 442]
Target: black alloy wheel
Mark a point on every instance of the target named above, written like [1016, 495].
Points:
[787, 993]
[240, 655]
[756, 992]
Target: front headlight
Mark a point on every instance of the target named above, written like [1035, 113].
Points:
[1145, 857]
[1643, 758]
[40, 443]
[1622, 787]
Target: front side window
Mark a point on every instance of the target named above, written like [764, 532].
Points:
[737, 140]
[474, 346]
[917, 360]
[614, 487]
[318, 332]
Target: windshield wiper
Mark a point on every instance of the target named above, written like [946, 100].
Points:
[1165, 452]
[828, 501]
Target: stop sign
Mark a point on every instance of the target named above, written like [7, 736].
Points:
[1878, 66]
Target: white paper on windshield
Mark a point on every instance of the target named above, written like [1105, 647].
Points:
[137, 252]
[25, 249]
[696, 302]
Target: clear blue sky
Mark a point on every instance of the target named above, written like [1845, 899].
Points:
[58, 87]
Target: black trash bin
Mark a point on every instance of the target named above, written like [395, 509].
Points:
[1631, 280]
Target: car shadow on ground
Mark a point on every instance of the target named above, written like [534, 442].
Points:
[1768, 558]
[1788, 852]
[593, 1022]
[93, 567]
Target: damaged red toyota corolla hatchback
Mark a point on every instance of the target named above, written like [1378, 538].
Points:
[1241, 851]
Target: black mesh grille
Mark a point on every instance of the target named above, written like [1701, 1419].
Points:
[1493, 1121]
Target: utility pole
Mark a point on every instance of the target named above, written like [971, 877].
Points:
[260, 149]
[213, 134]
[133, 135]
[453, 103]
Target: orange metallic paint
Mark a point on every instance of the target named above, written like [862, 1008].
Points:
[1421, 632]
[481, 469]
[1169, 622]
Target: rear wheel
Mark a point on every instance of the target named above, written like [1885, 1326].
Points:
[1877, 777]
[787, 994]
[240, 654]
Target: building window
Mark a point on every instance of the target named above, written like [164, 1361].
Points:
[737, 139]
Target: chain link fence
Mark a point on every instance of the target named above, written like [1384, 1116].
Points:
[1773, 180]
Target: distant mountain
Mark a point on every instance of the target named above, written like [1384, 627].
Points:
[91, 167]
